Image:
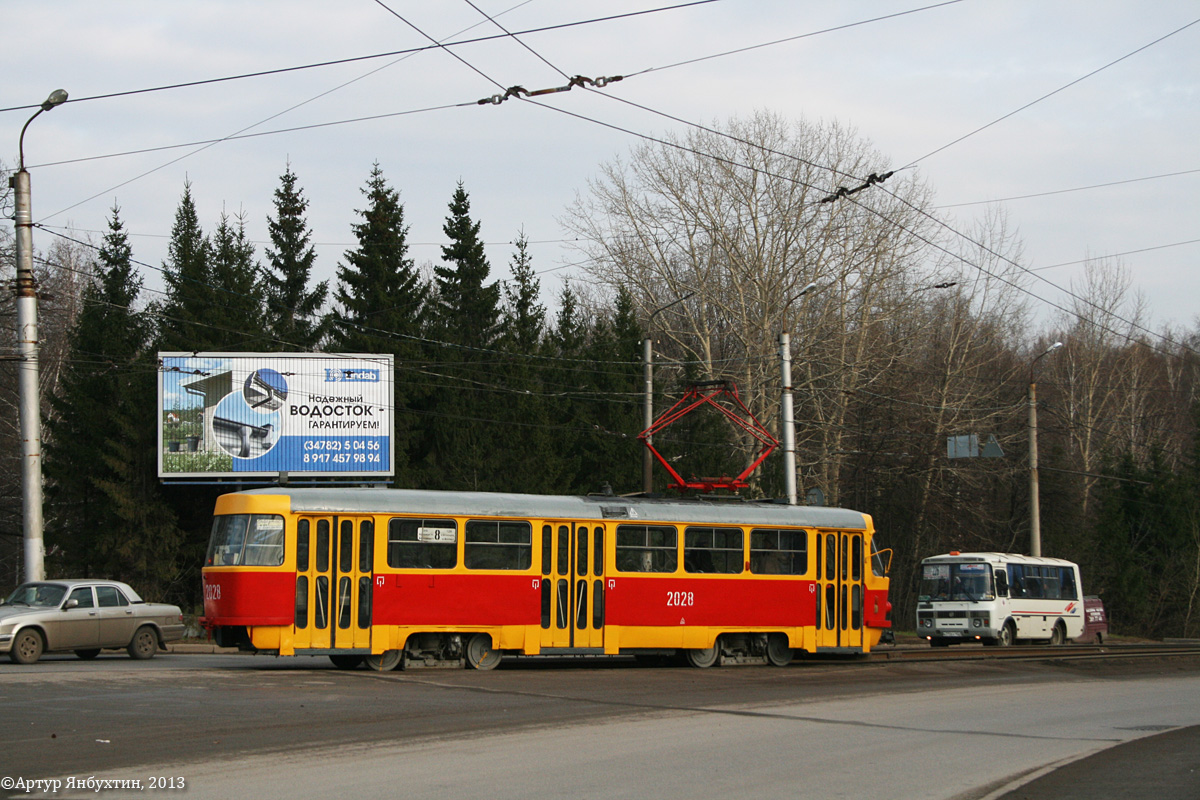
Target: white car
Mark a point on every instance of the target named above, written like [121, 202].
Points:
[84, 616]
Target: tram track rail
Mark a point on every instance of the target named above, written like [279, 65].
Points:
[1071, 652]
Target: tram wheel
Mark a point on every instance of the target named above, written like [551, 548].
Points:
[778, 652]
[703, 659]
[386, 661]
[480, 653]
[346, 661]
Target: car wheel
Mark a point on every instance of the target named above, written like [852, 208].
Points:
[88, 654]
[27, 647]
[144, 644]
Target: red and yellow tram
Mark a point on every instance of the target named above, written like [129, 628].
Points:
[405, 578]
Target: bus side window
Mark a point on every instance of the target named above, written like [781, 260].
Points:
[1016, 580]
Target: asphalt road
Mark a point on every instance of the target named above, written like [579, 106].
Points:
[232, 725]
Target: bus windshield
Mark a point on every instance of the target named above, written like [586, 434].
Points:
[971, 582]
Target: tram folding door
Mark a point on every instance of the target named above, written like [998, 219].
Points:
[839, 589]
[572, 586]
[334, 583]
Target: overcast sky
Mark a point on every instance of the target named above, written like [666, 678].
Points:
[909, 84]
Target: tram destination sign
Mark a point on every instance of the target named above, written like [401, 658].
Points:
[246, 415]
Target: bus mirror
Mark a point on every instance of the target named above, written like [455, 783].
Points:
[1001, 583]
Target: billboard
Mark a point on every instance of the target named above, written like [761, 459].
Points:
[244, 415]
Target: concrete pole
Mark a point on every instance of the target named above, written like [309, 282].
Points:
[1035, 511]
[1035, 503]
[29, 404]
[648, 414]
[788, 420]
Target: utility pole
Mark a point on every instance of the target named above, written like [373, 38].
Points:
[787, 414]
[788, 420]
[648, 405]
[29, 403]
[1035, 511]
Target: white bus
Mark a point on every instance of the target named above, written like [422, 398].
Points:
[998, 599]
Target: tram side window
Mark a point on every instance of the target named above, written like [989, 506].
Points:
[498, 544]
[712, 550]
[778, 552]
[422, 543]
[647, 548]
[246, 539]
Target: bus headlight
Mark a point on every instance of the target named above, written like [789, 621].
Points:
[977, 623]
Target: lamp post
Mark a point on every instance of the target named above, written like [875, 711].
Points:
[1035, 511]
[29, 402]
[648, 378]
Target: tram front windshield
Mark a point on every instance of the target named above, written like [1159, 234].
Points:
[969, 582]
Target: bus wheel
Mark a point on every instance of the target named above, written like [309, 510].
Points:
[1058, 635]
[346, 661]
[778, 652]
[1007, 635]
[705, 658]
[386, 661]
[480, 653]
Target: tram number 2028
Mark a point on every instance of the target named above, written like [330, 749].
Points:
[680, 599]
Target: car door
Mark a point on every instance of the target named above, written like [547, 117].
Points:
[116, 615]
[76, 626]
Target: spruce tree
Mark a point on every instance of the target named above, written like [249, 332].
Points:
[292, 309]
[380, 295]
[524, 416]
[467, 310]
[184, 315]
[465, 445]
[237, 317]
[380, 299]
[108, 517]
[613, 453]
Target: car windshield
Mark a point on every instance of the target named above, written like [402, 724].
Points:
[971, 582]
[37, 595]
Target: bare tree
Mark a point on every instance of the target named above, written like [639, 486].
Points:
[735, 217]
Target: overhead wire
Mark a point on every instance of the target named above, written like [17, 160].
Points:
[1062, 88]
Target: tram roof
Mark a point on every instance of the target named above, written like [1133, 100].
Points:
[370, 500]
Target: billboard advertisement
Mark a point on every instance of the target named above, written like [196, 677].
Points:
[245, 415]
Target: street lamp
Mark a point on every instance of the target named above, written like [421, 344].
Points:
[648, 410]
[27, 347]
[1035, 512]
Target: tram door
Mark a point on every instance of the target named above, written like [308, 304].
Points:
[572, 585]
[839, 589]
[334, 582]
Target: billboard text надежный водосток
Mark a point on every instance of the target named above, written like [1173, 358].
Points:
[262, 414]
